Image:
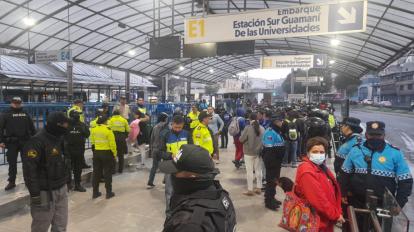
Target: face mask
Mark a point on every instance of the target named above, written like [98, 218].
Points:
[317, 158]
[376, 144]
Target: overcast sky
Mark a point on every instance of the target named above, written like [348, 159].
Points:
[268, 74]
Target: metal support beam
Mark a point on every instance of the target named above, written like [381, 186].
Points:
[69, 73]
[127, 86]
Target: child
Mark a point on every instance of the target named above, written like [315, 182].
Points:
[285, 183]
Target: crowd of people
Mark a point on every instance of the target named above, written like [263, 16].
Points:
[186, 148]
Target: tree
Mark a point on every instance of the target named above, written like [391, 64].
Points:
[350, 84]
[325, 85]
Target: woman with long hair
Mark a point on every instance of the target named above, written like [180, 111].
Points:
[251, 138]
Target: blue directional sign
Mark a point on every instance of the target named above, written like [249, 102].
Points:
[346, 16]
[320, 60]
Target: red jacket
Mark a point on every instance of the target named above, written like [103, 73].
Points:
[321, 192]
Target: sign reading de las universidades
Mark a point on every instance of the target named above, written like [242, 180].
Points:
[302, 20]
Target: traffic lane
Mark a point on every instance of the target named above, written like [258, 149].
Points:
[399, 129]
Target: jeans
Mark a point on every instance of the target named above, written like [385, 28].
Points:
[55, 214]
[168, 194]
[290, 154]
[224, 137]
[253, 164]
[155, 162]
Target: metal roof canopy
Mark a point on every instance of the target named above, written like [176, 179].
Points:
[96, 38]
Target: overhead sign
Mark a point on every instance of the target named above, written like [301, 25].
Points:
[311, 84]
[296, 21]
[50, 56]
[307, 79]
[299, 61]
[296, 96]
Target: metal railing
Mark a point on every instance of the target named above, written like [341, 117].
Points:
[39, 112]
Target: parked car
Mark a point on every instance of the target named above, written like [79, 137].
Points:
[385, 103]
[367, 102]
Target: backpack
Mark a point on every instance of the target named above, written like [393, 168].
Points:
[316, 127]
[208, 210]
[293, 133]
[234, 127]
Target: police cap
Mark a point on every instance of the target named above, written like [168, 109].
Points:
[375, 128]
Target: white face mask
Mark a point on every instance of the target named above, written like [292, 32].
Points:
[317, 158]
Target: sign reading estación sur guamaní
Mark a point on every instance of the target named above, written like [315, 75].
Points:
[296, 21]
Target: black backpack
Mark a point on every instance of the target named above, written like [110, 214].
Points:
[317, 127]
[206, 210]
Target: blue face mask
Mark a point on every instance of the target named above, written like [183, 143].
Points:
[376, 144]
[317, 158]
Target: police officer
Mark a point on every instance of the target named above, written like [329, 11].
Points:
[104, 153]
[75, 148]
[77, 106]
[119, 125]
[171, 142]
[273, 153]
[45, 169]
[199, 203]
[375, 165]
[351, 129]
[202, 135]
[16, 127]
[193, 116]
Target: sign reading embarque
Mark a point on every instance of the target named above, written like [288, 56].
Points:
[302, 20]
[295, 61]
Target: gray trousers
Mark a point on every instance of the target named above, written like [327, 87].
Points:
[55, 214]
[168, 194]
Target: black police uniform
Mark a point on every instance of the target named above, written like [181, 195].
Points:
[75, 148]
[16, 128]
[45, 172]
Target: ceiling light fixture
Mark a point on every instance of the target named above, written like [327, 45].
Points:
[332, 62]
[29, 21]
[132, 52]
[335, 42]
[211, 70]
[181, 68]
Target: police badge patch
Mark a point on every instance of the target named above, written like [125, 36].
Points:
[32, 153]
[226, 203]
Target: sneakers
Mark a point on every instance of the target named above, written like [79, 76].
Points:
[10, 186]
[237, 163]
[258, 191]
[79, 188]
[249, 193]
[150, 186]
[273, 207]
[110, 195]
[96, 195]
[294, 165]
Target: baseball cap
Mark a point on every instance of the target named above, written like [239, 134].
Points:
[375, 128]
[16, 99]
[190, 158]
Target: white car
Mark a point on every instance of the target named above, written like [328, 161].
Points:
[385, 103]
[367, 102]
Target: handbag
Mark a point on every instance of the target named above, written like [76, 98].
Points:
[298, 215]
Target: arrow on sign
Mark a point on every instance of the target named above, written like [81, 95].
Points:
[348, 18]
[319, 62]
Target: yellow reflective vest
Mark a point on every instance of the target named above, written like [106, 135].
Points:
[78, 109]
[203, 138]
[118, 123]
[194, 119]
[103, 139]
[142, 110]
[331, 121]
[93, 123]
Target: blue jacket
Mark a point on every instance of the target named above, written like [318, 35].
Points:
[345, 148]
[272, 139]
[389, 170]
